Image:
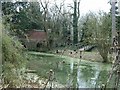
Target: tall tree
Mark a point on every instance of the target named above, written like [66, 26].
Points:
[75, 21]
[118, 23]
[22, 16]
[96, 30]
[14, 15]
[104, 36]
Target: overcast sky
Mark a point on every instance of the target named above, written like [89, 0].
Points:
[90, 5]
[94, 5]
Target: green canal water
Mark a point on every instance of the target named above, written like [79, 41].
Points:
[70, 72]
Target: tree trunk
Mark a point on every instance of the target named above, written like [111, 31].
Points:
[104, 55]
[75, 27]
[103, 50]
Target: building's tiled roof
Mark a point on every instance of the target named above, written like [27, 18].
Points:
[37, 35]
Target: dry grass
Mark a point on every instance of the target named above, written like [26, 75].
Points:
[90, 56]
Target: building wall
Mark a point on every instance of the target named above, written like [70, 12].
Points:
[33, 45]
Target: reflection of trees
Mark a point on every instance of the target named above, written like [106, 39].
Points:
[86, 74]
[102, 78]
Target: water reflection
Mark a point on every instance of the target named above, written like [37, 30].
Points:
[87, 75]
[71, 66]
[72, 72]
[82, 74]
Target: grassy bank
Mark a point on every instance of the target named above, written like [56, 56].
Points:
[89, 56]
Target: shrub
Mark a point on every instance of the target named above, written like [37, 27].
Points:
[13, 61]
